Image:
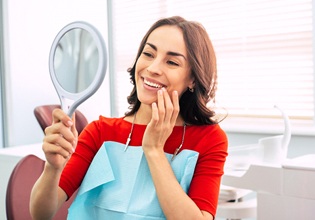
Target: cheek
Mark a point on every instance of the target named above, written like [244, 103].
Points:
[137, 69]
[140, 63]
[181, 83]
[180, 88]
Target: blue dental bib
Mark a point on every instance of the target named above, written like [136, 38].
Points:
[118, 185]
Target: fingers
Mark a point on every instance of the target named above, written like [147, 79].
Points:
[61, 116]
[155, 114]
[61, 124]
[73, 127]
[175, 101]
[164, 115]
[56, 144]
[168, 109]
[160, 114]
[62, 130]
[61, 136]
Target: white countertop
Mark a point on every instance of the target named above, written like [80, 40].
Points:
[306, 162]
[21, 151]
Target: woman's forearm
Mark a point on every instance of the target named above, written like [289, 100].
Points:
[46, 196]
[176, 204]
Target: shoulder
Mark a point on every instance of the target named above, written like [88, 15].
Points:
[208, 132]
[103, 122]
[105, 126]
[207, 138]
[109, 120]
[107, 129]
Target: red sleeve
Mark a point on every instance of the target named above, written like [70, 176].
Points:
[205, 185]
[74, 171]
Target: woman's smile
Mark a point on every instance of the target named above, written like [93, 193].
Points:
[151, 84]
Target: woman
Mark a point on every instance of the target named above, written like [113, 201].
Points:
[164, 159]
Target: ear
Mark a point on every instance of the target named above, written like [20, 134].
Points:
[191, 83]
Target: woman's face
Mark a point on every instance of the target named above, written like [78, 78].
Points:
[163, 63]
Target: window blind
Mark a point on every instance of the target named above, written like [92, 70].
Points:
[130, 21]
[263, 47]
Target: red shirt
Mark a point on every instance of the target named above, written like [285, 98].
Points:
[209, 140]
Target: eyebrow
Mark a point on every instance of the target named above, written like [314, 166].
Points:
[168, 53]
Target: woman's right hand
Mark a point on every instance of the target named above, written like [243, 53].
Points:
[60, 140]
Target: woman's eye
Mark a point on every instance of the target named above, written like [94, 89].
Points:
[147, 54]
[172, 63]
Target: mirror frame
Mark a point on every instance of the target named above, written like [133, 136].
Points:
[70, 101]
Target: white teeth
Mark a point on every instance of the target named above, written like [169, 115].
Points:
[152, 84]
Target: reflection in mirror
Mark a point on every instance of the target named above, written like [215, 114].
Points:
[76, 58]
[77, 64]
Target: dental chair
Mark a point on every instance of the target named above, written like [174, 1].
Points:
[21, 182]
[43, 115]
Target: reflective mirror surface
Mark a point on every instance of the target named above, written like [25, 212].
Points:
[76, 58]
[77, 64]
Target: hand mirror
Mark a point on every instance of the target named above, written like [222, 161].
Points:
[77, 64]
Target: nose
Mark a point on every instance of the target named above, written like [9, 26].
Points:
[155, 67]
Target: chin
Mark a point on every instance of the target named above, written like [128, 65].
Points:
[146, 98]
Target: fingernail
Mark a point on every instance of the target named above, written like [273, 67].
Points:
[69, 123]
[160, 92]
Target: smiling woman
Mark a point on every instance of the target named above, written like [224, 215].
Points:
[171, 149]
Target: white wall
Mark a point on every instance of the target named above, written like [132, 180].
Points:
[31, 28]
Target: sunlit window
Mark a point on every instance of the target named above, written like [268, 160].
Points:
[264, 51]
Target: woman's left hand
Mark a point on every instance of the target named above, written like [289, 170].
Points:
[164, 116]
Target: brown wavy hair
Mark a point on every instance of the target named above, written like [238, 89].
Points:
[202, 59]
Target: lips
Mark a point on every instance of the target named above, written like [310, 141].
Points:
[153, 84]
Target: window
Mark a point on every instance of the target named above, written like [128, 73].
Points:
[1, 78]
[130, 21]
[264, 52]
